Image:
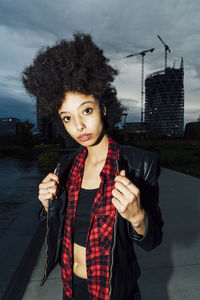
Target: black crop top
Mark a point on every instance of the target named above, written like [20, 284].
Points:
[83, 212]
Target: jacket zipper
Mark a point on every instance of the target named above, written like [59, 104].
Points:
[110, 287]
[56, 172]
[112, 251]
[46, 254]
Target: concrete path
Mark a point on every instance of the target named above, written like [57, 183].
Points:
[169, 272]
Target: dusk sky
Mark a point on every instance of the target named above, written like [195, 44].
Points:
[119, 27]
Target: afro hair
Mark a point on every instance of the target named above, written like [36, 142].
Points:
[77, 66]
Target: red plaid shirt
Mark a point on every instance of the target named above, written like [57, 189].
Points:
[99, 237]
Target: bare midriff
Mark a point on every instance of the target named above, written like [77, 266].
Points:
[79, 267]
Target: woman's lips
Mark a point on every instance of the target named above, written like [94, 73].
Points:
[84, 137]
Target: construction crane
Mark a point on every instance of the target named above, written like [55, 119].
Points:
[143, 53]
[166, 49]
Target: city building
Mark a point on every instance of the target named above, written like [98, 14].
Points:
[8, 127]
[192, 130]
[135, 131]
[44, 123]
[164, 102]
[50, 127]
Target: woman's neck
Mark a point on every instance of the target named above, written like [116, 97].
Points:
[98, 152]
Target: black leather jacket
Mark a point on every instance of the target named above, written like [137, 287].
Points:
[143, 169]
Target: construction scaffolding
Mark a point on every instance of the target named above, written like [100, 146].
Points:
[164, 102]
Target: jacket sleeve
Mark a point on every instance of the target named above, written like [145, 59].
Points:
[42, 214]
[149, 196]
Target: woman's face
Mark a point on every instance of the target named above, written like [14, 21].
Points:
[82, 119]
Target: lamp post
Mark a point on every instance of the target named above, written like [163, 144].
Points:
[125, 116]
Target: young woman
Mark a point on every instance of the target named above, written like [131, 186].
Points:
[103, 198]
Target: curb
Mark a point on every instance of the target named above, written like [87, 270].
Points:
[20, 247]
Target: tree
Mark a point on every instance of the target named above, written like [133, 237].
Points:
[24, 134]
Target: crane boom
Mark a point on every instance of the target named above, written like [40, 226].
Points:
[166, 46]
[166, 49]
[142, 53]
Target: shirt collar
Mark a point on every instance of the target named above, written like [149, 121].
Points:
[109, 169]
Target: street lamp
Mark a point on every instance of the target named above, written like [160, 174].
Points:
[125, 115]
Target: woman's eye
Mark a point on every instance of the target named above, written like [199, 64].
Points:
[66, 119]
[88, 110]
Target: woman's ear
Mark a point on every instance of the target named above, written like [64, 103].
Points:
[104, 110]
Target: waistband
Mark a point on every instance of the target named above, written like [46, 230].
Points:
[79, 279]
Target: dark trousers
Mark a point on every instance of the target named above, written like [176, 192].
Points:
[81, 291]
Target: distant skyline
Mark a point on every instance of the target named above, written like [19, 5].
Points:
[119, 27]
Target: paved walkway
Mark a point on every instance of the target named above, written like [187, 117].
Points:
[169, 272]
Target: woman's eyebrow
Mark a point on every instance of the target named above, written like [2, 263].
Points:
[64, 112]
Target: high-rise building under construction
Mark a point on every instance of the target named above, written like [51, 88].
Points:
[164, 102]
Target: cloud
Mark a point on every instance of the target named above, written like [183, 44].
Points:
[191, 114]
[14, 101]
[120, 27]
[11, 88]
[13, 108]
[133, 110]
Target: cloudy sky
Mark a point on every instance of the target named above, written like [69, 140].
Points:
[119, 27]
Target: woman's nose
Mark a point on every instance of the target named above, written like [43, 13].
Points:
[79, 124]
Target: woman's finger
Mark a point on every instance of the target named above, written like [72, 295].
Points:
[51, 176]
[128, 184]
[48, 196]
[45, 191]
[119, 196]
[124, 190]
[46, 185]
[119, 206]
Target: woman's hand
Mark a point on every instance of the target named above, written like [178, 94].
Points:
[126, 199]
[48, 189]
